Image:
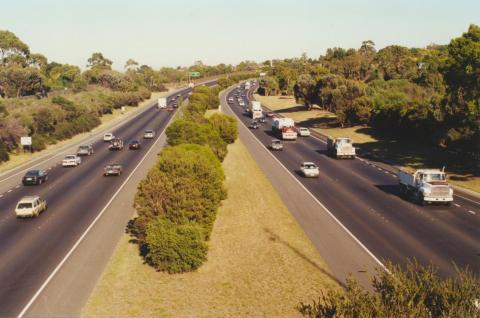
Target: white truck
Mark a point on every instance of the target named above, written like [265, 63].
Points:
[425, 186]
[284, 128]
[340, 147]
[247, 85]
[162, 103]
[255, 109]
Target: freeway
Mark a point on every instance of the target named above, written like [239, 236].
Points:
[30, 249]
[364, 197]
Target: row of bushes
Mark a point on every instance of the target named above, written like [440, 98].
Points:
[178, 200]
[59, 117]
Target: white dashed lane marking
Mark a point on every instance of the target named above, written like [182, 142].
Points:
[9, 191]
[457, 205]
[471, 212]
[18, 186]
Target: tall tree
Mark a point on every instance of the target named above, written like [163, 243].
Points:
[97, 60]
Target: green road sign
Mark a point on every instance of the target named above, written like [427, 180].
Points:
[195, 74]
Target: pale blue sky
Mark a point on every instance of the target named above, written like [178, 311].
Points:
[171, 33]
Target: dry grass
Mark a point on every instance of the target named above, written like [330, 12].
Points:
[107, 120]
[405, 154]
[260, 263]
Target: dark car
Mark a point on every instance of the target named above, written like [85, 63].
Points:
[170, 109]
[175, 105]
[35, 177]
[134, 145]
[262, 120]
[253, 125]
[116, 144]
[112, 169]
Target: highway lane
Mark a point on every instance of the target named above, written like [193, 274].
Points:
[365, 199]
[31, 248]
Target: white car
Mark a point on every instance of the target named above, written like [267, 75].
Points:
[71, 161]
[304, 132]
[108, 137]
[309, 170]
[30, 206]
[148, 134]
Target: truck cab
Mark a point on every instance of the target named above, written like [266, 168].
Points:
[426, 186]
[341, 147]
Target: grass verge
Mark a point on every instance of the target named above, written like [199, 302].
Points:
[462, 172]
[260, 262]
[107, 120]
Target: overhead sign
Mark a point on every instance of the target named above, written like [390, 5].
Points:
[195, 74]
[26, 141]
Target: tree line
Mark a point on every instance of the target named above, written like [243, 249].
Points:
[178, 200]
[430, 94]
[50, 101]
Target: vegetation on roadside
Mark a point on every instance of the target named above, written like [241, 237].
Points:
[178, 200]
[416, 291]
[429, 96]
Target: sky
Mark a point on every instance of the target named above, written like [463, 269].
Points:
[180, 32]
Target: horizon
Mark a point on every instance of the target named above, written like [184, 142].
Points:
[121, 30]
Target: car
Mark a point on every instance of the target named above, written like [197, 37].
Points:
[108, 137]
[112, 169]
[230, 100]
[304, 132]
[241, 103]
[262, 120]
[71, 161]
[178, 95]
[148, 134]
[270, 114]
[175, 105]
[276, 145]
[85, 150]
[30, 206]
[170, 109]
[253, 125]
[309, 170]
[134, 145]
[34, 177]
[243, 95]
[116, 144]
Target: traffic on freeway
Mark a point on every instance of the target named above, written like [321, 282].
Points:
[369, 200]
[34, 238]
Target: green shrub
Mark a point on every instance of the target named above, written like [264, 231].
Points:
[175, 248]
[183, 131]
[39, 142]
[3, 152]
[226, 127]
[185, 185]
[414, 291]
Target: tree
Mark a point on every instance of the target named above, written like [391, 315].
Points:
[226, 127]
[10, 44]
[16, 81]
[131, 64]
[183, 131]
[97, 60]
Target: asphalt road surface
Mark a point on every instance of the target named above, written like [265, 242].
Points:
[30, 249]
[364, 197]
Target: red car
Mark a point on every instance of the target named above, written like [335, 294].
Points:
[270, 114]
[134, 145]
[170, 109]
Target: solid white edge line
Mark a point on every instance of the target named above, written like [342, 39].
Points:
[367, 162]
[56, 153]
[316, 200]
[74, 247]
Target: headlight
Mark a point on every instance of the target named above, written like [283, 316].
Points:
[427, 190]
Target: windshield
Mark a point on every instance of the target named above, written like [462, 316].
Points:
[33, 173]
[84, 147]
[24, 206]
[434, 177]
[70, 157]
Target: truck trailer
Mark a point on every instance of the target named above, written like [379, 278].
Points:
[255, 109]
[284, 128]
[340, 148]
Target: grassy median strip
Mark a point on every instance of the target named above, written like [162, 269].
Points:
[260, 263]
[401, 152]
